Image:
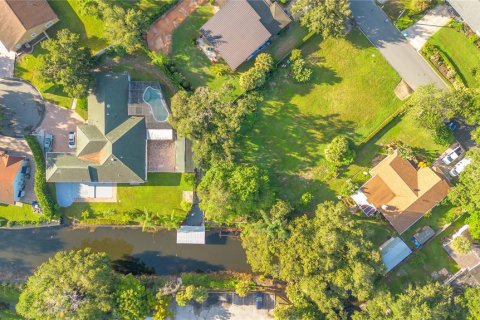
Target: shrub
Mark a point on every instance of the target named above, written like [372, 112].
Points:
[243, 287]
[295, 55]
[198, 294]
[3, 222]
[442, 135]
[186, 206]
[300, 72]
[256, 76]
[42, 192]
[220, 69]
[10, 223]
[339, 152]
[461, 245]
[306, 198]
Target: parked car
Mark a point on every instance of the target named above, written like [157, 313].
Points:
[452, 156]
[72, 140]
[48, 143]
[459, 167]
[258, 300]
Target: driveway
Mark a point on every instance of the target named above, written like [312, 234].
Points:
[21, 106]
[68, 193]
[59, 122]
[420, 32]
[409, 64]
[19, 147]
[7, 62]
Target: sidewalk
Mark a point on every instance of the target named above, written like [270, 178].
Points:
[419, 33]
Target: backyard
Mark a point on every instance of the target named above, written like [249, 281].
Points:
[352, 96]
[160, 196]
[464, 55]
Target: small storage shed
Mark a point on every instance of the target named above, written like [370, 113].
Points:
[393, 252]
[191, 235]
[424, 234]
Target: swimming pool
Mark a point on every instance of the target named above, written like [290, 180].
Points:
[154, 99]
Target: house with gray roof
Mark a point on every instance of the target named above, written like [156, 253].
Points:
[120, 138]
[469, 10]
[241, 28]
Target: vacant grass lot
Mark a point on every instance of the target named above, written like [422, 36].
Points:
[350, 93]
[464, 55]
[161, 196]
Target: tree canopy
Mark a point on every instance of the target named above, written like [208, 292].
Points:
[232, 193]
[211, 119]
[339, 152]
[68, 63]
[124, 28]
[256, 76]
[325, 17]
[70, 285]
[132, 300]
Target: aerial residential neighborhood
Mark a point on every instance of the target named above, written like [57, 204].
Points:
[240, 159]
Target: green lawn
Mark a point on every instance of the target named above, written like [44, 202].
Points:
[287, 40]
[9, 294]
[19, 214]
[464, 55]
[161, 196]
[352, 96]
[189, 59]
[404, 13]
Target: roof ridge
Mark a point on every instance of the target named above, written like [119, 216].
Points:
[16, 16]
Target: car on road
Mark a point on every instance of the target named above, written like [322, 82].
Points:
[48, 142]
[258, 300]
[452, 156]
[72, 140]
[459, 167]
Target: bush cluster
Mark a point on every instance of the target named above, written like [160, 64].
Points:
[42, 192]
[256, 76]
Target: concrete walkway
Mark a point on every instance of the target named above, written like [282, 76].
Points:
[7, 62]
[409, 64]
[419, 33]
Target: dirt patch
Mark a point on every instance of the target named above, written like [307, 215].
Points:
[403, 90]
[159, 36]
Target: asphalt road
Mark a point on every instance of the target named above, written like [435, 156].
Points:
[392, 45]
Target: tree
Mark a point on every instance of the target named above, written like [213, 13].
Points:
[124, 28]
[326, 259]
[275, 220]
[260, 250]
[473, 222]
[326, 17]
[198, 294]
[300, 72]
[472, 302]
[67, 63]
[162, 307]
[211, 119]
[430, 302]
[466, 193]
[295, 55]
[75, 284]
[243, 287]
[231, 193]
[132, 300]
[339, 152]
[461, 245]
[256, 76]
[476, 135]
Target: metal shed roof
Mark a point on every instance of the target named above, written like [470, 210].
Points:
[393, 252]
[424, 234]
[191, 235]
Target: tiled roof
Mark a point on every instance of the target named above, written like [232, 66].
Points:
[9, 167]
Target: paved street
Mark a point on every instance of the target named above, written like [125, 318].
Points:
[392, 45]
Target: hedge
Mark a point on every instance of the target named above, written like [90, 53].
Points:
[42, 192]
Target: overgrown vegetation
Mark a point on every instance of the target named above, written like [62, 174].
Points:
[42, 192]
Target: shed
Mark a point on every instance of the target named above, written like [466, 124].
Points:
[191, 235]
[393, 252]
[424, 234]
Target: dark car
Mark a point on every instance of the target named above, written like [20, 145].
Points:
[48, 143]
[258, 300]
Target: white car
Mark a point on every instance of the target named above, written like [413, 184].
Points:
[72, 141]
[459, 167]
[452, 156]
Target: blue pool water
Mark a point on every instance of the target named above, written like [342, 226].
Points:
[154, 99]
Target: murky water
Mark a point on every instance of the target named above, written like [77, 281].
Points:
[23, 250]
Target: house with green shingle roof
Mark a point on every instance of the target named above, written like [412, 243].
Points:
[112, 147]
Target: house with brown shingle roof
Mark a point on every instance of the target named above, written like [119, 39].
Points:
[11, 178]
[402, 193]
[241, 28]
[22, 21]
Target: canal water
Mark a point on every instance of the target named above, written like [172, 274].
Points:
[21, 251]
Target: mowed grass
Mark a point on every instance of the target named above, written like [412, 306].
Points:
[161, 196]
[190, 60]
[19, 214]
[464, 55]
[350, 93]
